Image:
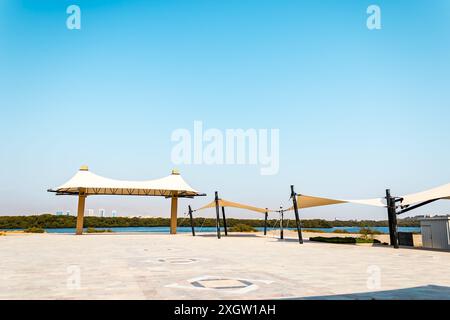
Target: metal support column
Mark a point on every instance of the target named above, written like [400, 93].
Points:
[265, 222]
[281, 223]
[297, 218]
[392, 219]
[224, 221]
[192, 220]
[217, 214]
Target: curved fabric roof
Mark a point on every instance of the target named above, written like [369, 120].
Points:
[93, 184]
[441, 192]
[226, 203]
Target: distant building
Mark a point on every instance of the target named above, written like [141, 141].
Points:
[114, 213]
[90, 213]
[68, 213]
[59, 213]
[102, 213]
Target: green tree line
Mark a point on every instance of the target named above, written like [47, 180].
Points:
[49, 221]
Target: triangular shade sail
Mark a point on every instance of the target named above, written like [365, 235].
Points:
[92, 184]
[310, 201]
[225, 203]
[304, 201]
[441, 192]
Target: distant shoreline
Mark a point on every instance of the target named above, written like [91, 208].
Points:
[48, 221]
[347, 231]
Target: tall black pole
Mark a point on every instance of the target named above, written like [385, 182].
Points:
[392, 219]
[217, 215]
[265, 222]
[224, 220]
[192, 221]
[281, 223]
[388, 204]
[297, 218]
[394, 222]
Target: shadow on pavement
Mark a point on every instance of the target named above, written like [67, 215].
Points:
[429, 292]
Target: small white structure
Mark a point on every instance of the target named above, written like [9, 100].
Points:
[435, 232]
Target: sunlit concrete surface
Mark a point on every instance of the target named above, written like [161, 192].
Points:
[152, 266]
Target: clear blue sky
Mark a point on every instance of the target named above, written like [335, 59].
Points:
[358, 110]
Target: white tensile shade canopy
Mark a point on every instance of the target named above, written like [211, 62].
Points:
[93, 184]
[85, 183]
[441, 192]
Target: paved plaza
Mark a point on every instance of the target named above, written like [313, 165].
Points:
[160, 266]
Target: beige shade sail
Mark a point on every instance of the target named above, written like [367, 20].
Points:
[226, 203]
[92, 184]
[304, 201]
[441, 192]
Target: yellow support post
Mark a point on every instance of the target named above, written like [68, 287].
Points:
[80, 215]
[174, 214]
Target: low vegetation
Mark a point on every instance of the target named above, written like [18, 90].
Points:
[34, 230]
[368, 232]
[93, 230]
[242, 228]
[340, 231]
[343, 240]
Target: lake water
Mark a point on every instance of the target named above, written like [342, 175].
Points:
[213, 229]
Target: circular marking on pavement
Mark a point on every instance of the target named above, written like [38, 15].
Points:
[177, 260]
